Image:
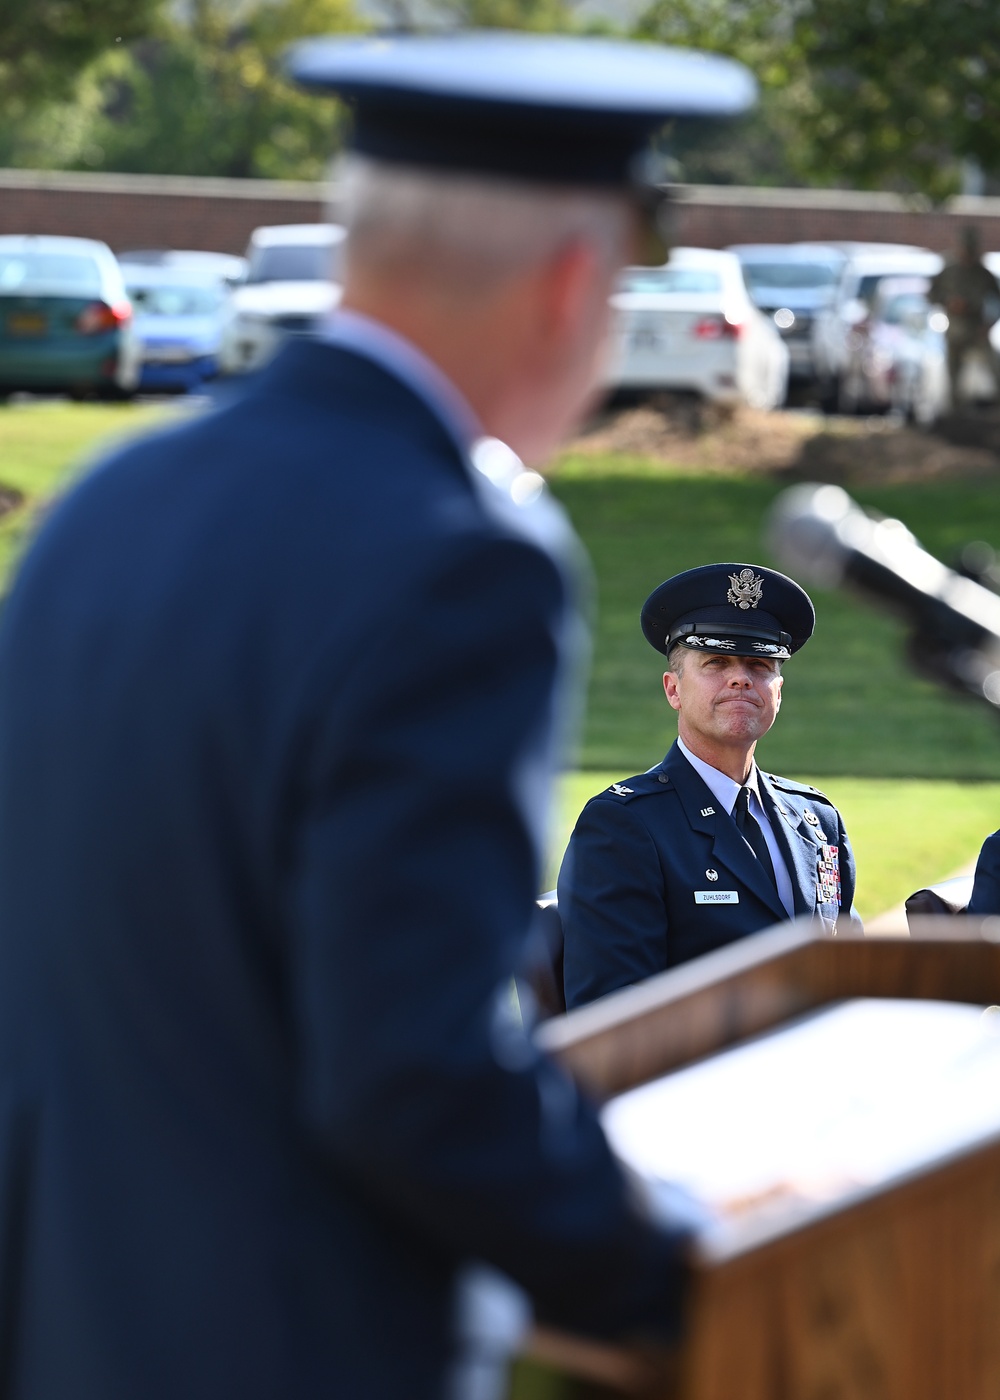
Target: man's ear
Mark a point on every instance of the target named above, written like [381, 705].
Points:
[671, 690]
[568, 288]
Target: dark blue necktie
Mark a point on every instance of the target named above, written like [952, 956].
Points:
[749, 828]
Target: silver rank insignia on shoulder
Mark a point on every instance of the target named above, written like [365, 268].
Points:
[811, 818]
[708, 811]
[711, 874]
[620, 790]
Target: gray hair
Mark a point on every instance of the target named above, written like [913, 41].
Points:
[475, 230]
[675, 658]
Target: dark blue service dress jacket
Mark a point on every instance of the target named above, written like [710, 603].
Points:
[655, 874]
[276, 694]
[985, 898]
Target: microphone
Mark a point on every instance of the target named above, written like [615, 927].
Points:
[821, 535]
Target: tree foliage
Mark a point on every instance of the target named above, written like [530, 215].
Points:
[203, 93]
[872, 93]
[44, 44]
[764, 147]
[868, 93]
[902, 90]
[417, 15]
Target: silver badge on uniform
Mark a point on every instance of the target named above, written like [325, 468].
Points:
[620, 790]
[711, 874]
[708, 811]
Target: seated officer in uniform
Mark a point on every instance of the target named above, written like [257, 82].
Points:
[277, 701]
[705, 847]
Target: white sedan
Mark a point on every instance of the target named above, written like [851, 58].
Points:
[691, 326]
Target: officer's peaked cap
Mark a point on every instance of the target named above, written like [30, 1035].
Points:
[558, 108]
[741, 609]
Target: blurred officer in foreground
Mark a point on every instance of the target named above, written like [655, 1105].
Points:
[705, 848]
[969, 293]
[277, 692]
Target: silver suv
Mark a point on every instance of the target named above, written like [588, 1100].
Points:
[291, 283]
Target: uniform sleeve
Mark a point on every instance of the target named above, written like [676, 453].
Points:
[611, 903]
[414, 882]
[986, 885]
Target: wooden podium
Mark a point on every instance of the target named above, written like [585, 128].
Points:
[882, 1292]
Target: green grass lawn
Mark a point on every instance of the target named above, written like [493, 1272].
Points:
[915, 771]
[43, 444]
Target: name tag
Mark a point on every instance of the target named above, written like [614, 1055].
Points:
[716, 897]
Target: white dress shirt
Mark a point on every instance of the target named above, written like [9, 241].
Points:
[724, 790]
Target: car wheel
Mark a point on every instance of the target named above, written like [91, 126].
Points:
[921, 410]
[850, 393]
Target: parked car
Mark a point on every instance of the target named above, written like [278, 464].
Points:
[691, 326]
[65, 320]
[791, 282]
[992, 261]
[178, 321]
[896, 356]
[220, 267]
[290, 285]
[865, 267]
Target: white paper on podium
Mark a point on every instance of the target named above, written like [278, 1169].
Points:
[809, 1117]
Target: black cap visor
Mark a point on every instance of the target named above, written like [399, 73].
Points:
[734, 639]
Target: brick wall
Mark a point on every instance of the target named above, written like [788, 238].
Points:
[716, 216]
[140, 211]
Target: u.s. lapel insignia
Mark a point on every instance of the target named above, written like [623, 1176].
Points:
[620, 790]
[747, 590]
[711, 874]
[708, 811]
[811, 818]
[828, 875]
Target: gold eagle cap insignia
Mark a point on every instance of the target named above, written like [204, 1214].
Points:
[747, 589]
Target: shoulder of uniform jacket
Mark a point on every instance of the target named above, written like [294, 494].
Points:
[642, 785]
[798, 789]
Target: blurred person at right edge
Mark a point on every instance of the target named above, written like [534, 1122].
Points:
[985, 897]
[970, 296]
[279, 692]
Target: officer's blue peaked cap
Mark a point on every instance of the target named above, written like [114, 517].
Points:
[554, 108]
[740, 609]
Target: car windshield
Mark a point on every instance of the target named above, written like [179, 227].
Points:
[671, 279]
[73, 273]
[868, 285]
[294, 262]
[789, 276]
[907, 306]
[175, 301]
